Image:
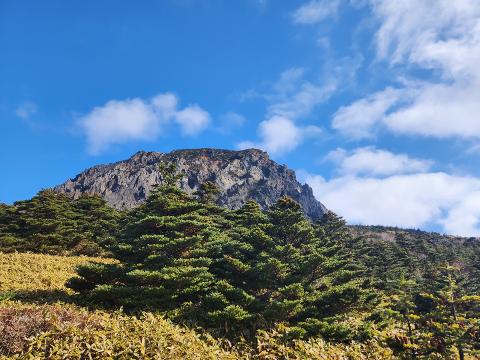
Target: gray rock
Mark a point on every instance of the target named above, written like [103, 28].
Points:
[240, 176]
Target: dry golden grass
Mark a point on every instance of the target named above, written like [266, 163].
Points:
[37, 272]
[64, 331]
[69, 332]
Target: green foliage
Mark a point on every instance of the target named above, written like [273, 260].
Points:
[62, 331]
[170, 253]
[443, 323]
[207, 192]
[451, 322]
[67, 332]
[268, 277]
[389, 252]
[168, 173]
[52, 223]
[300, 273]
[231, 272]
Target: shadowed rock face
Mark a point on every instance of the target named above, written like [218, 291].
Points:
[240, 176]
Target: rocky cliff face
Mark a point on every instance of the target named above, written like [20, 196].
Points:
[240, 176]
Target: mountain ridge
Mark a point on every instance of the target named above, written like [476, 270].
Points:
[240, 175]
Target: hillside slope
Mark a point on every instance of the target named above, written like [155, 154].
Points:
[35, 325]
[419, 253]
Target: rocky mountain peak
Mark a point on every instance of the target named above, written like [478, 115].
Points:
[240, 176]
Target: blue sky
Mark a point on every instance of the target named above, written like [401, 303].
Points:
[375, 103]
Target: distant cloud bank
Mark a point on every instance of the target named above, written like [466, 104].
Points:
[432, 50]
[410, 200]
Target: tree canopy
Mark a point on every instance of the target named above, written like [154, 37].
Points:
[54, 224]
[234, 272]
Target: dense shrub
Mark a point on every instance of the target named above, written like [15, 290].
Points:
[67, 332]
[20, 273]
[52, 223]
[388, 252]
[230, 272]
[19, 324]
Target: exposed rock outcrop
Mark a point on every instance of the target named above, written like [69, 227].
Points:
[240, 176]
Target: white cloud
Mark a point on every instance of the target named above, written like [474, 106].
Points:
[294, 97]
[280, 135]
[473, 149]
[26, 110]
[440, 111]
[230, 121]
[376, 162]
[302, 101]
[289, 80]
[165, 105]
[316, 11]
[192, 119]
[441, 36]
[414, 200]
[358, 119]
[120, 121]
[465, 217]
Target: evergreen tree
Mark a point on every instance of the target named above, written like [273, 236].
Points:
[472, 282]
[298, 272]
[450, 320]
[442, 323]
[53, 223]
[402, 311]
[176, 256]
[232, 272]
[207, 192]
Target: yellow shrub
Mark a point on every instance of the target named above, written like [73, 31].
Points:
[38, 272]
[68, 332]
[62, 331]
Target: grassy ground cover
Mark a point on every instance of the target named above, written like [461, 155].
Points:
[39, 321]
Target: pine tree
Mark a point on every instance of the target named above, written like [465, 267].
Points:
[472, 282]
[450, 320]
[402, 311]
[231, 272]
[345, 287]
[52, 223]
[96, 226]
[207, 192]
[298, 273]
[177, 257]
